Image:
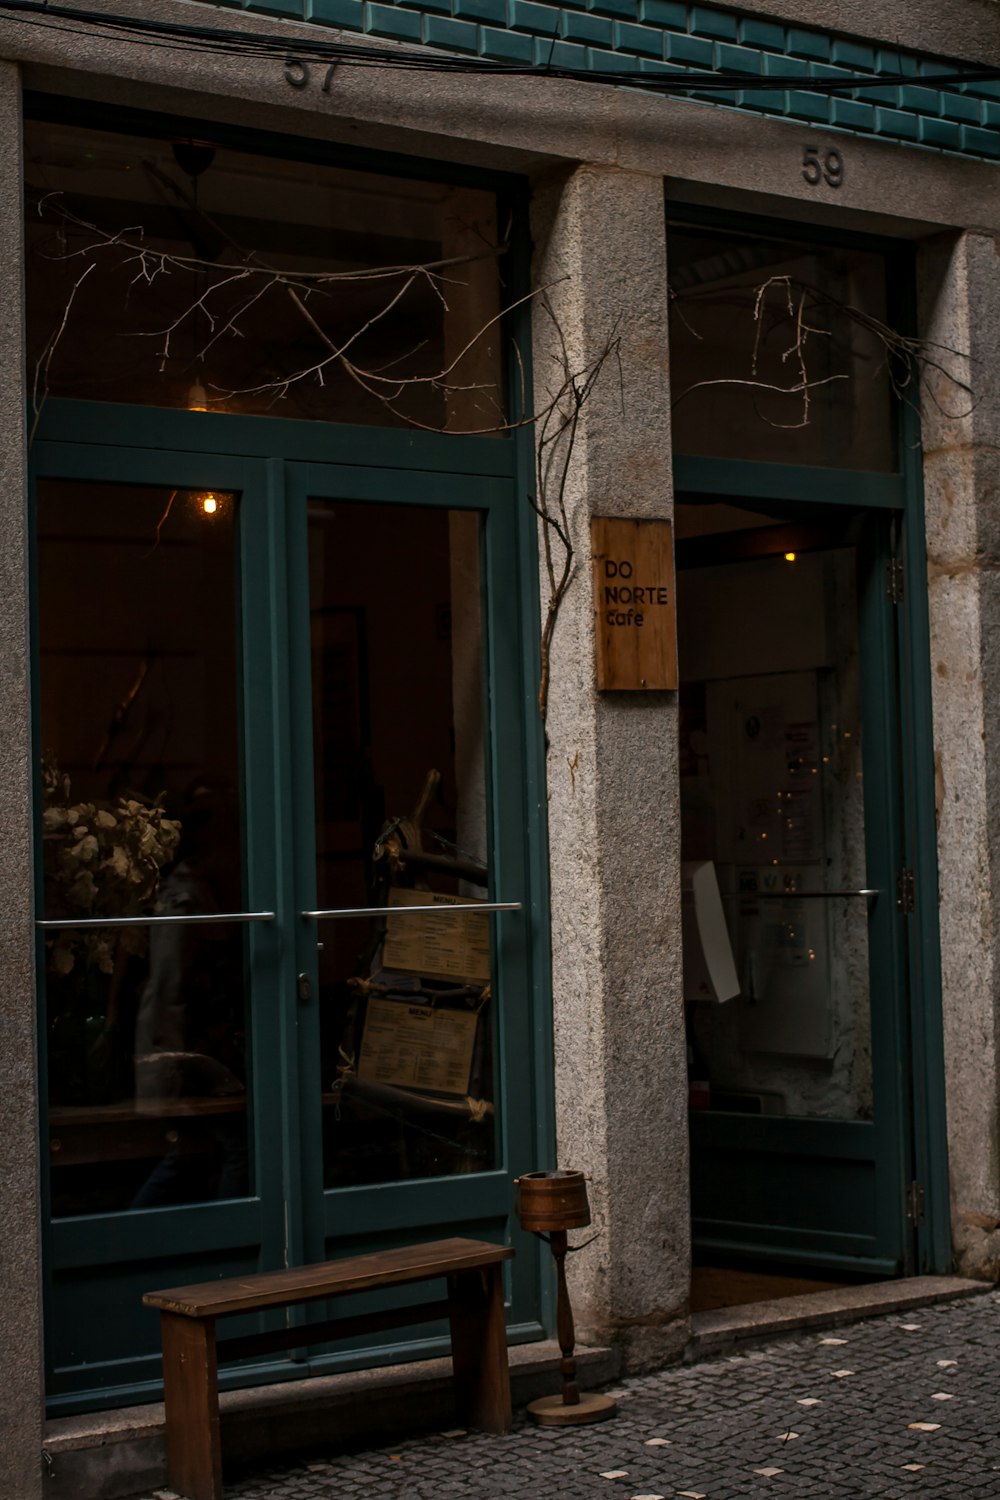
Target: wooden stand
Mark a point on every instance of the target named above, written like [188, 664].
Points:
[570, 1408]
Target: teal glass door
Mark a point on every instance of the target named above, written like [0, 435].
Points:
[792, 811]
[276, 698]
[410, 898]
[159, 953]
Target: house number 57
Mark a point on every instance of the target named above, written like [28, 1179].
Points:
[826, 166]
[299, 74]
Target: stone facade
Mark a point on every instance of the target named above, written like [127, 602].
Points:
[20, 1243]
[613, 786]
[597, 158]
[960, 289]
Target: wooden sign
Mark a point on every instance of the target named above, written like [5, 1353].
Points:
[634, 603]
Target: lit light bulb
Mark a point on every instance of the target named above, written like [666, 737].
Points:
[209, 504]
[789, 557]
[197, 397]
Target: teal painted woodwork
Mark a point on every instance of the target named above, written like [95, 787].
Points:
[839, 1197]
[786, 482]
[102, 1345]
[148, 428]
[813, 1170]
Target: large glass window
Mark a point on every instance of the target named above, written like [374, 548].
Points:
[175, 273]
[146, 1026]
[772, 798]
[776, 351]
[399, 728]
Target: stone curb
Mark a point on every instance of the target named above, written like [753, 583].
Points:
[723, 1327]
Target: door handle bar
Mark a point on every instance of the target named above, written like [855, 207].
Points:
[794, 895]
[185, 918]
[340, 913]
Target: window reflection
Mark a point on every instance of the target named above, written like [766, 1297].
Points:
[775, 354]
[294, 289]
[772, 796]
[145, 1025]
[400, 784]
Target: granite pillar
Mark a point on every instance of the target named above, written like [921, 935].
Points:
[614, 825]
[960, 311]
[21, 1389]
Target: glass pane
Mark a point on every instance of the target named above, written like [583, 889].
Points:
[146, 1027]
[274, 265]
[774, 354]
[398, 716]
[772, 802]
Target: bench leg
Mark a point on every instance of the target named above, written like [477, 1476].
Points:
[479, 1349]
[191, 1398]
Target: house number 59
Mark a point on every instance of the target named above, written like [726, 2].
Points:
[827, 167]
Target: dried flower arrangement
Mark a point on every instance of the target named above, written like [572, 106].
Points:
[101, 859]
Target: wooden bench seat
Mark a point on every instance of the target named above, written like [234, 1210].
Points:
[473, 1306]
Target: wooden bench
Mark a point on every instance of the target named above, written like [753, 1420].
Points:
[474, 1307]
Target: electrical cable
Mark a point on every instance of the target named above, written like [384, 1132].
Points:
[297, 50]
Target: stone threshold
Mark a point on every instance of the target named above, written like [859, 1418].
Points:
[110, 1454]
[724, 1327]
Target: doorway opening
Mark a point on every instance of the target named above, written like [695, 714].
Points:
[796, 766]
[781, 834]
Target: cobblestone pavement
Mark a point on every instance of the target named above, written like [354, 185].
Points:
[907, 1405]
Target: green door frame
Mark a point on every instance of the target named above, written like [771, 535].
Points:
[275, 464]
[860, 1165]
[910, 1026]
[457, 1200]
[919, 1100]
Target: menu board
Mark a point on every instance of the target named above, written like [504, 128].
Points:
[454, 945]
[417, 1046]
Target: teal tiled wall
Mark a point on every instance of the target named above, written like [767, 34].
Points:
[664, 36]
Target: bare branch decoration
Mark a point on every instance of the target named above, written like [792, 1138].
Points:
[226, 289]
[211, 306]
[913, 366]
[40, 384]
[214, 308]
[556, 432]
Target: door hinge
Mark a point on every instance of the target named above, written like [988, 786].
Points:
[894, 580]
[915, 1204]
[906, 891]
